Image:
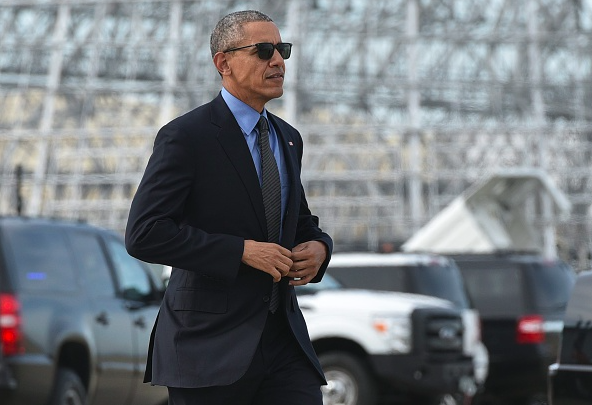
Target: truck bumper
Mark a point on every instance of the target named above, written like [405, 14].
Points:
[570, 384]
[25, 379]
[416, 374]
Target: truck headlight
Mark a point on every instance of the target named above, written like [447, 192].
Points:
[397, 331]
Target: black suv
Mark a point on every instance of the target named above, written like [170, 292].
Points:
[76, 313]
[521, 299]
[570, 379]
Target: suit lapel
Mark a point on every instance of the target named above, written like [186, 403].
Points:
[233, 142]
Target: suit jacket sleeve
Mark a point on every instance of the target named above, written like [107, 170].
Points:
[159, 228]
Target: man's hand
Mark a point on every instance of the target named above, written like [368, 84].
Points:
[308, 258]
[268, 257]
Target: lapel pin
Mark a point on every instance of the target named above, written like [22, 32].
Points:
[290, 143]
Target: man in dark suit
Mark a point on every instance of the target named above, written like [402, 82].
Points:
[221, 336]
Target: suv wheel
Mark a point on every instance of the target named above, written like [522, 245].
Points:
[68, 389]
[348, 380]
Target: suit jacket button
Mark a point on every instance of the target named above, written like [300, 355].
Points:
[266, 299]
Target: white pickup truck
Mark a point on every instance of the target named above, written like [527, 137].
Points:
[377, 346]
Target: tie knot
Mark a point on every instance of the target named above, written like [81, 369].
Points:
[262, 125]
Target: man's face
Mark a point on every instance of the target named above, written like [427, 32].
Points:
[250, 79]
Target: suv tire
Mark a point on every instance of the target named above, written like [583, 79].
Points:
[349, 380]
[68, 389]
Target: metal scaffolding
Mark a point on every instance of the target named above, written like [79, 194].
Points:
[403, 104]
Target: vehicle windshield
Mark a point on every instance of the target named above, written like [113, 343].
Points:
[327, 283]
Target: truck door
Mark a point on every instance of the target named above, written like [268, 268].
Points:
[142, 300]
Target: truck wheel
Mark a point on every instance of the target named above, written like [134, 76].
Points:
[68, 389]
[348, 380]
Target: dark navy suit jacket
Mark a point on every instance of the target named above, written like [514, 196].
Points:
[198, 201]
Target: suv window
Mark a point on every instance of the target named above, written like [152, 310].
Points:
[42, 259]
[95, 268]
[371, 278]
[503, 287]
[552, 282]
[496, 290]
[134, 282]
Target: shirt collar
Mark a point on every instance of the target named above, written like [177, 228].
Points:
[244, 114]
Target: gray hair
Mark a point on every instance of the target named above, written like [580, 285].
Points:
[229, 30]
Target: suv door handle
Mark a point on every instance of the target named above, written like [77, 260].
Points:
[102, 318]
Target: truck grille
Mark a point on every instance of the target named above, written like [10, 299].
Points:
[437, 331]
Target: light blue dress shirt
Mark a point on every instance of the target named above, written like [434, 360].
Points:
[247, 119]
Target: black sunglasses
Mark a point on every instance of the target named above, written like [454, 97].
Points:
[265, 49]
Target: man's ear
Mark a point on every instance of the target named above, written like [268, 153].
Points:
[221, 63]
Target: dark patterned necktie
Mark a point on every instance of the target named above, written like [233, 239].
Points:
[271, 189]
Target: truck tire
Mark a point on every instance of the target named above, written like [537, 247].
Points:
[349, 382]
[68, 389]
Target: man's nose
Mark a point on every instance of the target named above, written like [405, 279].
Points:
[276, 58]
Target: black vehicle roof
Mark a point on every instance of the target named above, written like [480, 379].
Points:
[47, 221]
